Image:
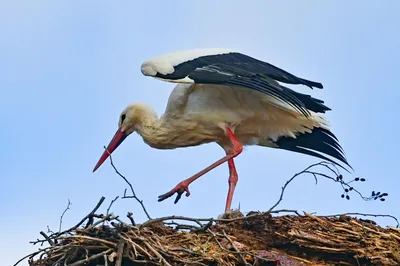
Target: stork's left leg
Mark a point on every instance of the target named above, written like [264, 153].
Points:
[184, 185]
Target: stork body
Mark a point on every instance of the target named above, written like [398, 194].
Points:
[230, 99]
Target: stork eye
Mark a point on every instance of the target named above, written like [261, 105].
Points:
[123, 118]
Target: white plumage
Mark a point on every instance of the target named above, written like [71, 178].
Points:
[164, 64]
[231, 99]
[250, 114]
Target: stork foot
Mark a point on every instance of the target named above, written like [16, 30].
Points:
[179, 189]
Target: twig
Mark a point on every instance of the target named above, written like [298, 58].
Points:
[134, 245]
[90, 215]
[94, 239]
[175, 217]
[235, 248]
[49, 231]
[62, 215]
[105, 218]
[129, 184]
[237, 251]
[155, 252]
[90, 221]
[32, 255]
[199, 220]
[47, 238]
[91, 258]
[109, 207]
[338, 178]
[287, 183]
[363, 214]
[130, 217]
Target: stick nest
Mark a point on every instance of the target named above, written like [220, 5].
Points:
[254, 239]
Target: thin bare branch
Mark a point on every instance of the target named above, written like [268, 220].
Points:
[91, 258]
[364, 214]
[337, 178]
[287, 183]
[130, 217]
[51, 242]
[31, 255]
[111, 203]
[62, 215]
[129, 184]
[199, 220]
[89, 216]
[235, 248]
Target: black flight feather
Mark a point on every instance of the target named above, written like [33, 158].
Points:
[319, 141]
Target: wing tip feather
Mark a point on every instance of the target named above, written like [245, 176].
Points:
[319, 143]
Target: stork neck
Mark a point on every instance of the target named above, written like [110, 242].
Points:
[156, 133]
[149, 128]
[148, 124]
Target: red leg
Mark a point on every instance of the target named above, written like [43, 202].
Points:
[233, 179]
[184, 185]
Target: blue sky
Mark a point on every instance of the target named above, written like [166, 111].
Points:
[68, 68]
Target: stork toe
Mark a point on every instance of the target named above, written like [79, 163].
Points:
[179, 189]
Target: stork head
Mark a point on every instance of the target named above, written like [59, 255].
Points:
[130, 119]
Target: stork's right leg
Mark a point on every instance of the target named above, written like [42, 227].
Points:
[184, 185]
[233, 179]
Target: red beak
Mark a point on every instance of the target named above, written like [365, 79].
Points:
[114, 143]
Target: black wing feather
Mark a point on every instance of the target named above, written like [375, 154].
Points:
[236, 69]
[262, 86]
[319, 140]
[313, 104]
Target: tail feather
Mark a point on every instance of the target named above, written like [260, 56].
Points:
[318, 143]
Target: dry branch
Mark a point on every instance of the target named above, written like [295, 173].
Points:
[62, 215]
[133, 196]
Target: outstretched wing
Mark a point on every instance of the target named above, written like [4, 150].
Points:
[227, 67]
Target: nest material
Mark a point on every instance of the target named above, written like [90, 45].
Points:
[257, 239]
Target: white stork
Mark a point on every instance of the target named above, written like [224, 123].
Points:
[234, 100]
